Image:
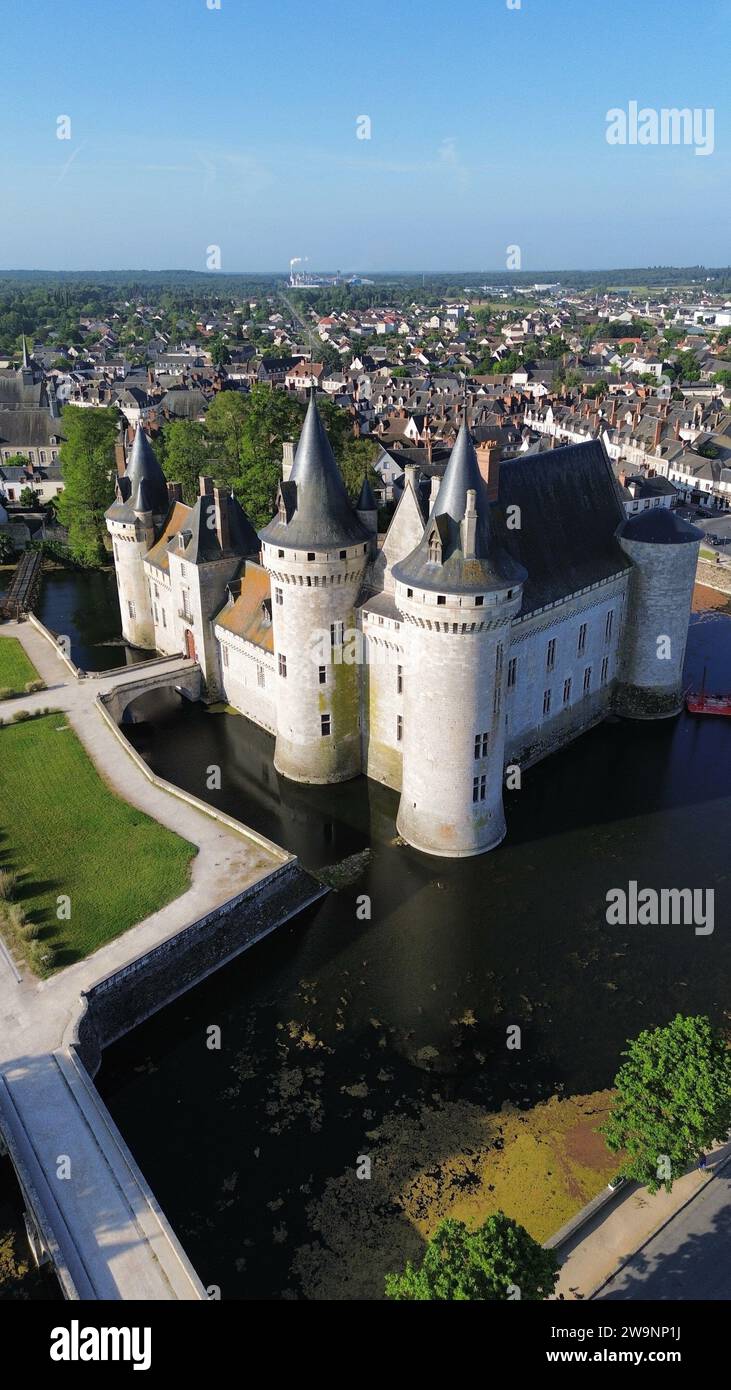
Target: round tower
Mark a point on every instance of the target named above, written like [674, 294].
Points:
[458, 592]
[316, 550]
[134, 522]
[663, 549]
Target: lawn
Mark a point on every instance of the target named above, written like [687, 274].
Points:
[16, 671]
[64, 832]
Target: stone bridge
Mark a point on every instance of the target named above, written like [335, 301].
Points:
[178, 673]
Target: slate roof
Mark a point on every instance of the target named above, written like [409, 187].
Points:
[570, 509]
[204, 546]
[315, 511]
[142, 487]
[366, 501]
[31, 429]
[492, 566]
[660, 526]
[15, 393]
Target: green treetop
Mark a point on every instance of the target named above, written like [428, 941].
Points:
[673, 1100]
[498, 1262]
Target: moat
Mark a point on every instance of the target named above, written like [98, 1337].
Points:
[342, 1029]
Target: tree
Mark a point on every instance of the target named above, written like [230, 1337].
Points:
[220, 354]
[184, 455]
[722, 378]
[686, 366]
[246, 433]
[28, 497]
[225, 430]
[673, 1100]
[7, 549]
[488, 1264]
[87, 462]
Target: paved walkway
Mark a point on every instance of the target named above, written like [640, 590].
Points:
[689, 1257]
[602, 1247]
[110, 1237]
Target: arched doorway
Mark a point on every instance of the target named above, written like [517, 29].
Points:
[190, 645]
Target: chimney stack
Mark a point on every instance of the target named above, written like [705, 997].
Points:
[175, 492]
[488, 459]
[434, 491]
[658, 433]
[287, 459]
[223, 528]
[469, 526]
[119, 458]
[205, 486]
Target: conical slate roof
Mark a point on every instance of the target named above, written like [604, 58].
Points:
[142, 487]
[491, 567]
[366, 502]
[659, 526]
[143, 467]
[314, 510]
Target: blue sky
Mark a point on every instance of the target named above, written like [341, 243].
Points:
[236, 127]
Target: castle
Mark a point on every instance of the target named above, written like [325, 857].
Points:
[515, 608]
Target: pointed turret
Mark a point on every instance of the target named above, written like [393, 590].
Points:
[313, 507]
[26, 362]
[459, 550]
[143, 468]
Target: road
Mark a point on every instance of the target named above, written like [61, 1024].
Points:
[688, 1258]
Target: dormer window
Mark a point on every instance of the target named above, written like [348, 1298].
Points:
[435, 548]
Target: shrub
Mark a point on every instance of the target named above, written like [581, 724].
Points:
[8, 880]
[20, 716]
[33, 686]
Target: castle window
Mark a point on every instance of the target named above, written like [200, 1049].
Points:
[481, 745]
[131, 608]
[546, 702]
[567, 691]
[399, 680]
[399, 728]
[479, 788]
[496, 700]
[409, 593]
[551, 655]
[441, 598]
[336, 634]
[587, 679]
[343, 554]
[322, 674]
[605, 669]
[224, 654]
[582, 640]
[480, 601]
[156, 614]
[260, 677]
[278, 596]
[609, 625]
[324, 725]
[164, 619]
[510, 593]
[282, 663]
[280, 553]
[310, 555]
[512, 672]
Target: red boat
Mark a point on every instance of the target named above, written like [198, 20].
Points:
[699, 702]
